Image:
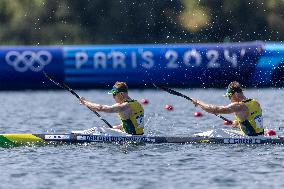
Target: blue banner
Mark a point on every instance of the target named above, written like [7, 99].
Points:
[21, 67]
[270, 68]
[174, 64]
[178, 65]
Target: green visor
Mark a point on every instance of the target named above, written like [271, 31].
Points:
[116, 90]
[231, 91]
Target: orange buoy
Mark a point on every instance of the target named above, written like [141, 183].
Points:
[169, 107]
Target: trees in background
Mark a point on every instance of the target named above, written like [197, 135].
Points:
[40, 22]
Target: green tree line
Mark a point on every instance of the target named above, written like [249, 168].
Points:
[45, 22]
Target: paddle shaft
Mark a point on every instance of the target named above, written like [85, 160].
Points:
[64, 86]
[171, 91]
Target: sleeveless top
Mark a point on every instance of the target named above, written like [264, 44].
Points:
[253, 124]
[135, 123]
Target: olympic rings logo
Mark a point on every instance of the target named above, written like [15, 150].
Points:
[23, 61]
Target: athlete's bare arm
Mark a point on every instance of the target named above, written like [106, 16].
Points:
[105, 108]
[215, 109]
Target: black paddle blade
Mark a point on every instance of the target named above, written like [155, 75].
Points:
[168, 90]
[62, 85]
[171, 91]
[71, 90]
[50, 78]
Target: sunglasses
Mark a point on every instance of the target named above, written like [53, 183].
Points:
[230, 95]
[114, 94]
[232, 91]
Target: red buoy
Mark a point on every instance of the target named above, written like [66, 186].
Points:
[169, 107]
[270, 132]
[227, 122]
[144, 101]
[197, 114]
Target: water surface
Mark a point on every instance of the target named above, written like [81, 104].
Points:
[135, 166]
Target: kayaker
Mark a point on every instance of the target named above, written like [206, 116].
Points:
[130, 111]
[248, 111]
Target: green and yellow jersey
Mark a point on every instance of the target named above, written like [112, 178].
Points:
[135, 123]
[253, 124]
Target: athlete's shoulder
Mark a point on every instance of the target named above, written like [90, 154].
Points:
[238, 106]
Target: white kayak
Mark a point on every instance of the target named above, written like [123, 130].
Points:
[99, 134]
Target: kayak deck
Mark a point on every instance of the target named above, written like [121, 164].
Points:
[10, 140]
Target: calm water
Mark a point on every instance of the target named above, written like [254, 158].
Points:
[135, 166]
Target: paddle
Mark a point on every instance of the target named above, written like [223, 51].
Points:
[64, 86]
[171, 91]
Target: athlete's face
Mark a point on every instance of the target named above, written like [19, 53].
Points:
[233, 97]
[118, 97]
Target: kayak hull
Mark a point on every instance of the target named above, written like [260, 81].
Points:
[11, 140]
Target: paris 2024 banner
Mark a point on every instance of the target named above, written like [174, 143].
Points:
[178, 65]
